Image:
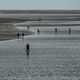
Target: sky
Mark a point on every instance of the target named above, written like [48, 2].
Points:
[39, 4]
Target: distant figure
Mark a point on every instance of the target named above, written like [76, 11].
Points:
[55, 30]
[38, 31]
[22, 36]
[28, 27]
[69, 31]
[18, 35]
[39, 19]
[27, 49]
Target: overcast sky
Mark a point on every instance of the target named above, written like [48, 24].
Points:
[40, 4]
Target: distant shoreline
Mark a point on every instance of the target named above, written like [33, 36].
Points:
[40, 11]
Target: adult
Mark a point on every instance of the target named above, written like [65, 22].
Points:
[27, 49]
[18, 35]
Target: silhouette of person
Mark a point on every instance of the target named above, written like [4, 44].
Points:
[22, 35]
[38, 31]
[18, 35]
[27, 49]
[55, 30]
[69, 31]
[28, 27]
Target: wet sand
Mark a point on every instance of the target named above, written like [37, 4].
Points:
[9, 32]
[52, 57]
[49, 59]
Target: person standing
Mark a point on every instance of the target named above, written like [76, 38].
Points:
[27, 49]
[22, 36]
[55, 30]
[18, 35]
[28, 27]
[69, 31]
[38, 31]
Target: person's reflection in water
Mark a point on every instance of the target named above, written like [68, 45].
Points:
[27, 50]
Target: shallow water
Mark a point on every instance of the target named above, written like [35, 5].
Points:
[50, 59]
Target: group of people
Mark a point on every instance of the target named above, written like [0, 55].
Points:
[18, 35]
[27, 45]
[57, 31]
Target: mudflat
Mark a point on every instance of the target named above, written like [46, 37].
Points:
[10, 32]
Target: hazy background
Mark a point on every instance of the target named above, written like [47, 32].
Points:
[40, 4]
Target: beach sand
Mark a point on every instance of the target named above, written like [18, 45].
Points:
[10, 32]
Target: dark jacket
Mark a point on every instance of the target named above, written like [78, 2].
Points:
[27, 47]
